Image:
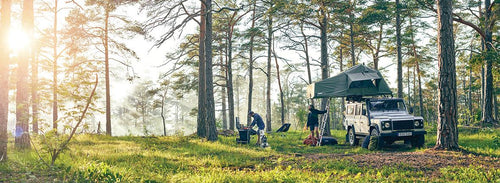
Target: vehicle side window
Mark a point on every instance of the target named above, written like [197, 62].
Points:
[350, 109]
[363, 109]
[358, 109]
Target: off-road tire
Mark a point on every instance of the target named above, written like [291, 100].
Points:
[418, 141]
[353, 141]
[381, 141]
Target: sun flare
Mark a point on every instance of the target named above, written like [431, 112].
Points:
[18, 39]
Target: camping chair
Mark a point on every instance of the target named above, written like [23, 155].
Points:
[284, 128]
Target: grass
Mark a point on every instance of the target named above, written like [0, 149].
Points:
[95, 158]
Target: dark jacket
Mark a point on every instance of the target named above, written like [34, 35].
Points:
[312, 117]
[258, 120]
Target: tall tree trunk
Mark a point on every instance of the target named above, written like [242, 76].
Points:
[229, 83]
[4, 77]
[224, 108]
[223, 91]
[22, 92]
[201, 130]
[106, 62]
[306, 50]
[34, 73]
[34, 91]
[163, 118]
[282, 101]
[211, 126]
[447, 133]
[324, 60]
[341, 60]
[469, 93]
[408, 85]
[250, 66]
[419, 74]
[351, 34]
[487, 114]
[268, 89]
[54, 84]
[398, 48]
[379, 44]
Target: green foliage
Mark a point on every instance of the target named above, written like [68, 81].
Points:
[96, 158]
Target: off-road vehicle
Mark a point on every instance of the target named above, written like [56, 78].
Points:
[386, 118]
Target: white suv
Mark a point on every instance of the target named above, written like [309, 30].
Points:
[386, 118]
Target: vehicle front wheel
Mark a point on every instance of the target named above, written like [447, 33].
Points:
[376, 134]
[418, 141]
[353, 141]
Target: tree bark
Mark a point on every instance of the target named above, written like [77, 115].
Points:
[106, 62]
[22, 93]
[229, 83]
[163, 119]
[223, 93]
[210, 105]
[398, 48]
[282, 101]
[447, 133]
[202, 114]
[54, 84]
[487, 114]
[306, 51]
[268, 89]
[250, 66]
[4, 77]
[34, 75]
[351, 34]
[324, 60]
[419, 74]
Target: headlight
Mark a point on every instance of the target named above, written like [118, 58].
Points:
[386, 125]
[418, 124]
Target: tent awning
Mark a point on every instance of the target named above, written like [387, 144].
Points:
[357, 81]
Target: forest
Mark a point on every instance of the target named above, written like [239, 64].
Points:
[155, 91]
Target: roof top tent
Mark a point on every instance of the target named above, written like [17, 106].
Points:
[355, 83]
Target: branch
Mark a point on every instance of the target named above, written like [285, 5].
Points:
[457, 18]
[65, 143]
[228, 8]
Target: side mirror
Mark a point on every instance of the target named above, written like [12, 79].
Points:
[411, 110]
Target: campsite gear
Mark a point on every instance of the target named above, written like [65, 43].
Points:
[284, 128]
[310, 140]
[322, 124]
[263, 139]
[359, 80]
[244, 136]
[328, 141]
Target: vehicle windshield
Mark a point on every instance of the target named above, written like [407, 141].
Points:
[387, 105]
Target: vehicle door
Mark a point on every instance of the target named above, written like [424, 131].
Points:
[362, 120]
[349, 116]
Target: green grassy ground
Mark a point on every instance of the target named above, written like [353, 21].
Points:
[95, 158]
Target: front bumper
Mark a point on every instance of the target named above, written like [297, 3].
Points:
[405, 133]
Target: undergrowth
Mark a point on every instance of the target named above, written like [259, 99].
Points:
[96, 158]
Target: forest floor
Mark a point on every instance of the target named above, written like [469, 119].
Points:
[428, 161]
[97, 158]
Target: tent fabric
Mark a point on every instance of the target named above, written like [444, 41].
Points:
[357, 81]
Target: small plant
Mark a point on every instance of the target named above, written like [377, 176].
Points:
[496, 141]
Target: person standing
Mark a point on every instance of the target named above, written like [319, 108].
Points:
[312, 120]
[257, 120]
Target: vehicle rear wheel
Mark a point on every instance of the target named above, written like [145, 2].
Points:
[353, 141]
